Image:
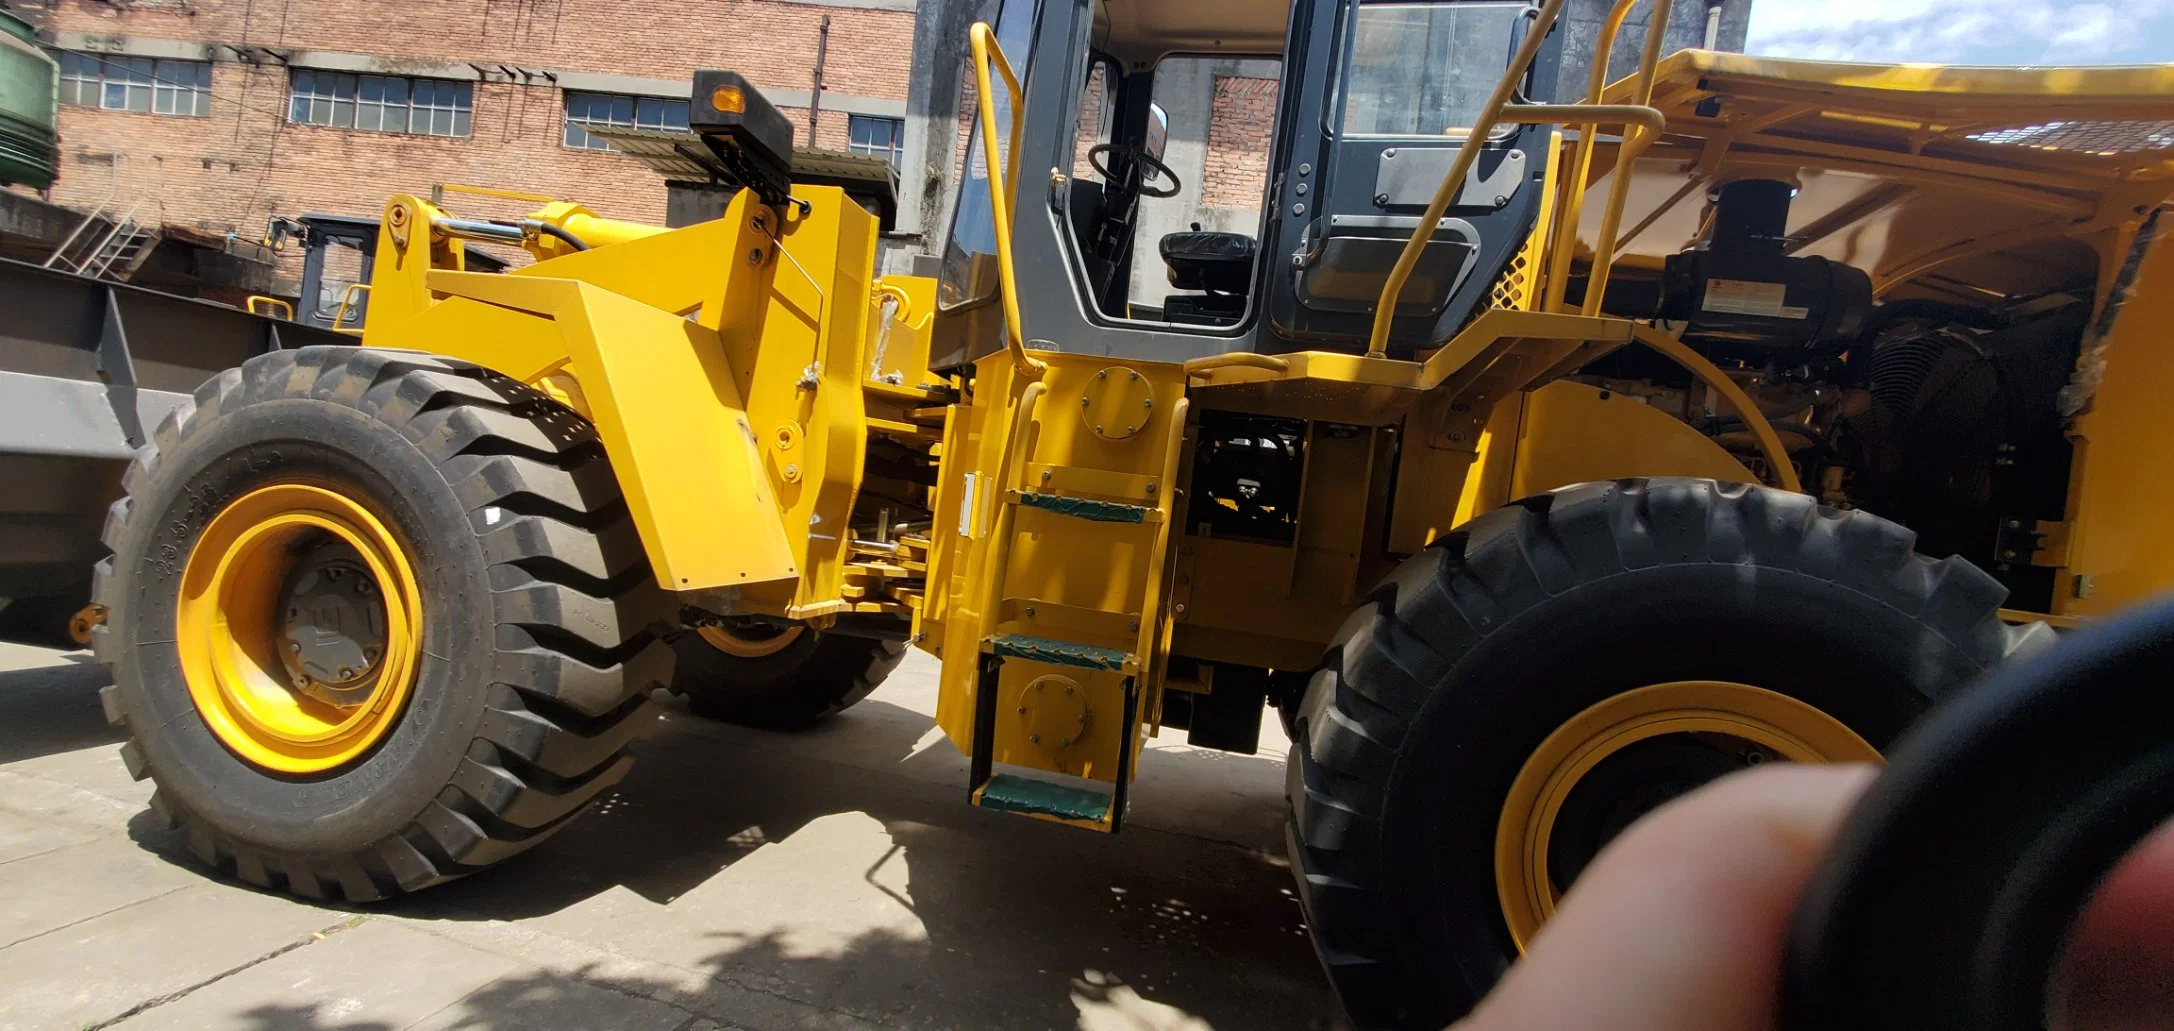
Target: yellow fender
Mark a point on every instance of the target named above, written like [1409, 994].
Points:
[663, 399]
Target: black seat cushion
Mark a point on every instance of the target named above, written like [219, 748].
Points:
[1217, 262]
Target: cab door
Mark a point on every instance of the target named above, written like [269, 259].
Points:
[1406, 78]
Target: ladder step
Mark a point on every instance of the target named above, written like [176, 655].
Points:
[1087, 508]
[1006, 793]
[1061, 653]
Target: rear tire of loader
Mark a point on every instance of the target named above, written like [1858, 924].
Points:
[779, 679]
[506, 635]
[1503, 666]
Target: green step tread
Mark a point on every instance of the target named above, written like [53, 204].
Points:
[1085, 508]
[1006, 793]
[1060, 653]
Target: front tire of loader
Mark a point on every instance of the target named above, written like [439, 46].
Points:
[378, 620]
[778, 678]
[1517, 693]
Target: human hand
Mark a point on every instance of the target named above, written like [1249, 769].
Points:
[1678, 924]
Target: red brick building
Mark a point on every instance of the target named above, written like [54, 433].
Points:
[225, 113]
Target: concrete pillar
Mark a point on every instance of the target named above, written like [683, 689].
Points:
[926, 180]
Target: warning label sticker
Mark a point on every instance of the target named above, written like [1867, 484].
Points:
[1747, 297]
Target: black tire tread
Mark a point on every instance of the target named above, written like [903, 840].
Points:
[1382, 663]
[779, 692]
[580, 617]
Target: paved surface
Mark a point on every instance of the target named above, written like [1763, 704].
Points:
[833, 879]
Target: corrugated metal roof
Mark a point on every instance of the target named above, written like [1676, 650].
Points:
[681, 156]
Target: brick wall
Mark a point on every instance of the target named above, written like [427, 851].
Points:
[246, 162]
[1240, 128]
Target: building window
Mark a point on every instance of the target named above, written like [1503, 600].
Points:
[382, 103]
[663, 113]
[142, 84]
[882, 137]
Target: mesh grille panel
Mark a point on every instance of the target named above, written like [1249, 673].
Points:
[2085, 137]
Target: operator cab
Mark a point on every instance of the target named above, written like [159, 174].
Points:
[1240, 175]
[338, 252]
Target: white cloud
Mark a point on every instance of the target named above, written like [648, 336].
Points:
[1965, 31]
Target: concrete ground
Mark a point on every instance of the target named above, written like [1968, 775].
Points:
[832, 879]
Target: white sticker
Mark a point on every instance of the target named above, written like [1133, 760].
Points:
[1790, 311]
[1747, 297]
[492, 514]
[966, 508]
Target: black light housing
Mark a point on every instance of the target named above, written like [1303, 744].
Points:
[748, 135]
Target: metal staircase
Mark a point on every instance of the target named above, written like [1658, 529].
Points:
[1136, 621]
[117, 251]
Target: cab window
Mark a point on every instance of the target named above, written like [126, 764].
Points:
[1422, 69]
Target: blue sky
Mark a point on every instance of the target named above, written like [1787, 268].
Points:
[1966, 31]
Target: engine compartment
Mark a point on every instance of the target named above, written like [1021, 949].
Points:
[1940, 412]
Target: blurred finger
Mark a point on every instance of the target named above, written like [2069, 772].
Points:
[1678, 924]
[2119, 971]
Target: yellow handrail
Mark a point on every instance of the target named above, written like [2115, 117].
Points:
[1475, 139]
[1236, 359]
[272, 305]
[1611, 219]
[1001, 201]
[1589, 114]
[1166, 504]
[347, 304]
[1563, 251]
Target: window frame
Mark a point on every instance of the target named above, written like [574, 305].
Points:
[641, 111]
[894, 152]
[345, 101]
[1336, 111]
[141, 85]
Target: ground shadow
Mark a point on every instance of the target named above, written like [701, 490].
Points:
[52, 708]
[1013, 922]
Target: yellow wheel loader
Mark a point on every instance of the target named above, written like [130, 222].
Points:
[1534, 463]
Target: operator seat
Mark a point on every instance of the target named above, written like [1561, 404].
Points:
[1218, 264]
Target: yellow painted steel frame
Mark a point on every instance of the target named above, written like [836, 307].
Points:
[2119, 550]
[999, 568]
[684, 348]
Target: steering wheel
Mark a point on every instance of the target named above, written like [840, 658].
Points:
[1153, 166]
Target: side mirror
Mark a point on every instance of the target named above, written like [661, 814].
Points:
[1158, 131]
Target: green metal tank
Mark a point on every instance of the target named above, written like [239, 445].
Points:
[29, 111]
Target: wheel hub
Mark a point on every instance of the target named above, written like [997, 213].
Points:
[299, 628]
[752, 641]
[334, 632]
[1627, 755]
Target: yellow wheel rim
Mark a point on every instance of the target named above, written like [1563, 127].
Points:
[1762, 722]
[750, 645]
[267, 564]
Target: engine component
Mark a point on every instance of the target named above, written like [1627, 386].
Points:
[1960, 434]
[1740, 296]
[1247, 476]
